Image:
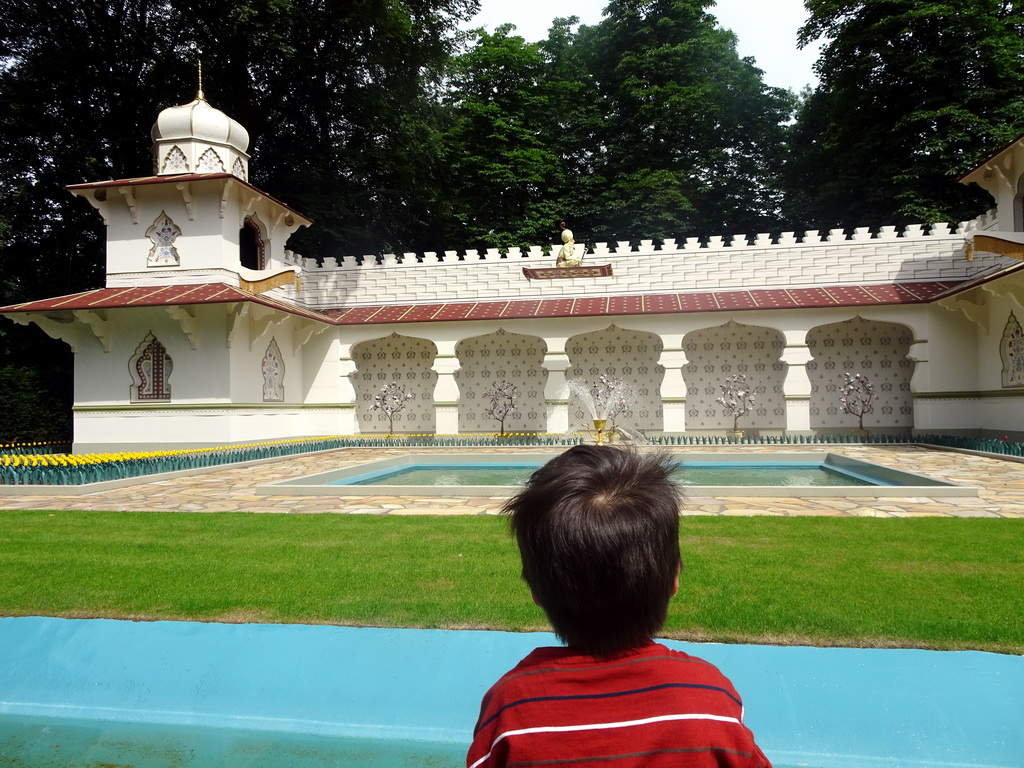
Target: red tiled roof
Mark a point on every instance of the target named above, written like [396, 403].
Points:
[647, 304]
[158, 296]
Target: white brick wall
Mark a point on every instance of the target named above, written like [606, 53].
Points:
[834, 261]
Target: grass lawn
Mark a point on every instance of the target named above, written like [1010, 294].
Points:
[930, 583]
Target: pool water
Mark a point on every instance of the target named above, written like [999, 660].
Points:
[688, 474]
[789, 474]
[45, 742]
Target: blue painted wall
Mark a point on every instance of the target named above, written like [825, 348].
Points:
[824, 708]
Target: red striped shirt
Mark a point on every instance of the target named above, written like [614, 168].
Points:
[648, 707]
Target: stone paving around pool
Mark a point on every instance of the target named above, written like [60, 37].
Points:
[1000, 483]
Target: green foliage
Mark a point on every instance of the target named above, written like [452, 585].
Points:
[690, 133]
[337, 97]
[647, 124]
[504, 180]
[395, 132]
[32, 408]
[936, 583]
[912, 95]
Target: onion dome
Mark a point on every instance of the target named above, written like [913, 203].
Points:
[197, 138]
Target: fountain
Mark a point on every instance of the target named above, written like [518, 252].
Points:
[605, 401]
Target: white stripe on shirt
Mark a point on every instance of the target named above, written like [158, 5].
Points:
[599, 726]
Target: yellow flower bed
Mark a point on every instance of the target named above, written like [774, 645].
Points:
[86, 459]
[70, 459]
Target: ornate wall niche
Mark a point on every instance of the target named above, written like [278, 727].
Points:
[174, 161]
[163, 233]
[875, 349]
[150, 368]
[488, 360]
[1011, 350]
[237, 169]
[272, 369]
[406, 360]
[210, 162]
[617, 353]
[716, 353]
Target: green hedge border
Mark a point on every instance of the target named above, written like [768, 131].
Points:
[120, 469]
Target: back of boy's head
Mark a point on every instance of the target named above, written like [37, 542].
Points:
[598, 532]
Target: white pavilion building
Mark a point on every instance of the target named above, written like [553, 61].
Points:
[210, 332]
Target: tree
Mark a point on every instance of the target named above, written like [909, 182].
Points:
[911, 95]
[646, 125]
[391, 401]
[345, 132]
[339, 99]
[79, 85]
[501, 401]
[737, 398]
[856, 396]
[505, 180]
[691, 135]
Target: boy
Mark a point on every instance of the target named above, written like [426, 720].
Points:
[598, 533]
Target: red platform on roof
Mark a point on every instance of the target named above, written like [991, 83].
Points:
[561, 273]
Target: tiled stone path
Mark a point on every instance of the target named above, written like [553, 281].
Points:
[1001, 484]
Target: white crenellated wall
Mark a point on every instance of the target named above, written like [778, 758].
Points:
[947, 358]
[917, 253]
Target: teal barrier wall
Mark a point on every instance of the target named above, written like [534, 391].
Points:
[823, 708]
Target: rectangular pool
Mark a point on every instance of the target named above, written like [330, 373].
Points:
[711, 474]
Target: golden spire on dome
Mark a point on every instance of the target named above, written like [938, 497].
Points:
[200, 96]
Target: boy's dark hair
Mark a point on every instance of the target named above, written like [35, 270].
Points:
[598, 532]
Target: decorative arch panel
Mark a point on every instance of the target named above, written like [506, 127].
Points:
[616, 353]
[878, 350]
[1011, 351]
[716, 353]
[402, 359]
[485, 361]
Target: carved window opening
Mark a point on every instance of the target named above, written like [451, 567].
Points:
[272, 369]
[151, 372]
[252, 247]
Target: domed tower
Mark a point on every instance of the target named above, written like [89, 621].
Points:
[197, 138]
[197, 219]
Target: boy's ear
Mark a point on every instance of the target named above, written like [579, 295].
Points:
[535, 600]
[675, 584]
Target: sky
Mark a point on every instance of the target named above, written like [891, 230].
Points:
[766, 30]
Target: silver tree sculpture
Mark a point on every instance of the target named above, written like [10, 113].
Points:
[391, 400]
[502, 398]
[737, 398]
[856, 396]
